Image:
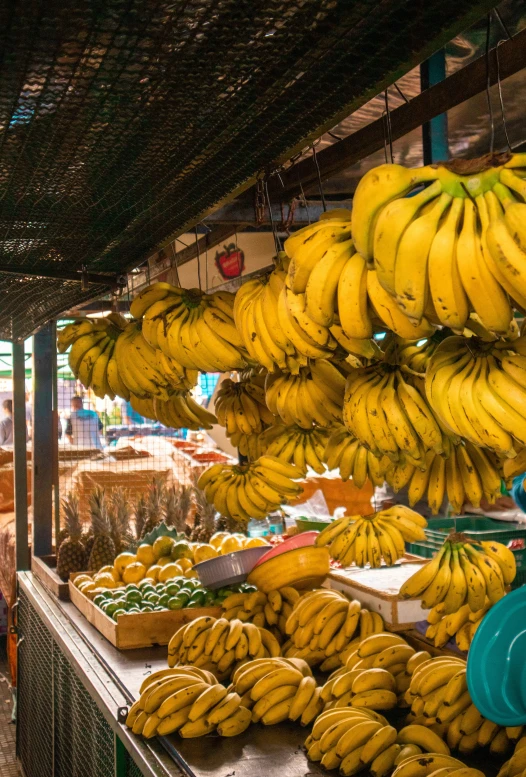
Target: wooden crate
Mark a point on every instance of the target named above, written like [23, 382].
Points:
[420, 642]
[136, 630]
[377, 590]
[45, 568]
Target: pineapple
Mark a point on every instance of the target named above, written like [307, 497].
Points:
[71, 554]
[140, 517]
[63, 533]
[119, 515]
[205, 513]
[178, 501]
[154, 505]
[103, 550]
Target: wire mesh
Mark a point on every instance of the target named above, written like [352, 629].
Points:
[122, 123]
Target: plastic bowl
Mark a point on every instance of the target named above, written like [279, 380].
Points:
[230, 568]
[303, 540]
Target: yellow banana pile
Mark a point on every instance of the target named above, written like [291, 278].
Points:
[440, 700]
[457, 246]
[314, 396]
[322, 625]
[268, 611]
[388, 412]
[461, 625]
[436, 764]
[219, 645]
[254, 490]
[188, 700]
[180, 411]
[467, 475]
[477, 390]
[195, 329]
[92, 355]
[516, 766]
[462, 572]
[306, 567]
[369, 539]
[344, 452]
[278, 689]
[415, 354]
[295, 445]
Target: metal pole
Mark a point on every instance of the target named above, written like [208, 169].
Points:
[43, 453]
[56, 487]
[20, 457]
[434, 132]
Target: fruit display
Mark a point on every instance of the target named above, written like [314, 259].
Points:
[469, 474]
[347, 454]
[269, 611]
[219, 645]
[254, 490]
[92, 355]
[189, 701]
[241, 408]
[103, 547]
[454, 247]
[460, 625]
[476, 388]
[462, 572]
[302, 568]
[71, 556]
[179, 411]
[323, 624]
[437, 764]
[516, 765]
[439, 698]
[297, 445]
[313, 396]
[371, 539]
[278, 689]
[374, 673]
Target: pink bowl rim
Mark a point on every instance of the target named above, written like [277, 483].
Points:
[293, 543]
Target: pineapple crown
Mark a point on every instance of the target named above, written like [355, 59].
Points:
[119, 515]
[99, 512]
[70, 509]
[204, 509]
[178, 501]
[140, 515]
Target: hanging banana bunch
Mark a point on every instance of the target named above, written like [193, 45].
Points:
[295, 445]
[92, 355]
[138, 365]
[314, 396]
[455, 247]
[237, 408]
[180, 411]
[346, 453]
[478, 391]
[415, 354]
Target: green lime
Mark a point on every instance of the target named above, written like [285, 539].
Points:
[163, 601]
[112, 607]
[160, 587]
[134, 611]
[99, 599]
[146, 608]
[152, 598]
[172, 589]
[134, 596]
[158, 609]
[184, 596]
[191, 583]
[209, 598]
[143, 583]
[181, 549]
[117, 613]
[175, 603]
[131, 587]
[198, 598]
[192, 605]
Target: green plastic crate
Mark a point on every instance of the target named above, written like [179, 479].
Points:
[310, 524]
[477, 529]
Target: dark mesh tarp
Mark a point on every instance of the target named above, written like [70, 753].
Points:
[123, 122]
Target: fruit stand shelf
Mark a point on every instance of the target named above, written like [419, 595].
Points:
[136, 630]
[45, 568]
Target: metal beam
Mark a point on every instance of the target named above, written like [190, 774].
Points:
[44, 351]
[452, 91]
[304, 212]
[20, 457]
[87, 278]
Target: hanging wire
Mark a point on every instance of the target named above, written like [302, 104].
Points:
[402, 95]
[502, 23]
[271, 218]
[198, 260]
[303, 198]
[322, 195]
[206, 260]
[488, 84]
[499, 85]
[389, 129]
[174, 263]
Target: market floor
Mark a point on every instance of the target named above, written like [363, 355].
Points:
[8, 764]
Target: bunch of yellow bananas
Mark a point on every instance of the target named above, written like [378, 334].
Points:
[461, 573]
[467, 475]
[461, 625]
[439, 699]
[344, 452]
[306, 567]
[251, 446]
[323, 623]
[517, 763]
[367, 539]
[254, 490]
[91, 358]
[269, 611]
[240, 406]
[312, 397]
[460, 241]
[436, 764]
[388, 412]
[477, 389]
[188, 700]
[374, 674]
[415, 354]
[278, 689]
[296, 445]
[180, 411]
[219, 645]
[194, 328]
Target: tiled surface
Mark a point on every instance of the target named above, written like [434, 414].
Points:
[8, 764]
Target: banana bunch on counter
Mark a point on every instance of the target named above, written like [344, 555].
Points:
[187, 700]
[462, 625]
[265, 610]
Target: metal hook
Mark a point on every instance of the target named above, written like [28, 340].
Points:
[499, 85]
[322, 195]
[388, 122]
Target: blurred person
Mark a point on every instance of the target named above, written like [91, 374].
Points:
[84, 426]
[6, 424]
[29, 416]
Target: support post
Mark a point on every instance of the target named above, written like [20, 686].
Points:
[44, 349]
[20, 457]
[434, 132]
